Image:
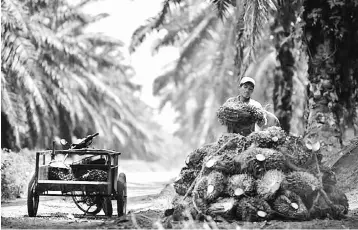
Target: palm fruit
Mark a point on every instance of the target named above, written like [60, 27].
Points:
[270, 138]
[224, 162]
[184, 180]
[271, 159]
[199, 194]
[337, 210]
[94, 175]
[253, 209]
[303, 184]
[296, 150]
[233, 111]
[240, 184]
[183, 208]
[328, 176]
[60, 173]
[269, 184]
[216, 185]
[256, 161]
[239, 142]
[290, 205]
[248, 163]
[337, 197]
[224, 207]
[195, 158]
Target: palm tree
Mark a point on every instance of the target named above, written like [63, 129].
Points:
[284, 29]
[330, 33]
[324, 49]
[207, 58]
[58, 80]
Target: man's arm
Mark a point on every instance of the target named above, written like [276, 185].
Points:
[258, 126]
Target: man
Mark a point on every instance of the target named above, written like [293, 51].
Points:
[246, 88]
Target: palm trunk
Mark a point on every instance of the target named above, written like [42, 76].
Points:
[284, 41]
[283, 86]
[322, 119]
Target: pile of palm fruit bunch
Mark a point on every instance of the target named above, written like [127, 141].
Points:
[234, 112]
[94, 175]
[263, 176]
[59, 171]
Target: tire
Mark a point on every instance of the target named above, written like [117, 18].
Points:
[94, 208]
[107, 206]
[32, 198]
[121, 194]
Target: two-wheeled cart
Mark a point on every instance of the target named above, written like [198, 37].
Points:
[89, 195]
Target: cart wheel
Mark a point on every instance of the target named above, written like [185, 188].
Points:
[107, 206]
[32, 198]
[121, 194]
[91, 205]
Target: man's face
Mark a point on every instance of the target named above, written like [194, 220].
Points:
[246, 89]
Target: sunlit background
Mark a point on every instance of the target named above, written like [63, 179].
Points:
[124, 18]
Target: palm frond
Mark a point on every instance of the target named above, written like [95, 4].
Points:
[176, 28]
[190, 45]
[162, 81]
[12, 16]
[140, 34]
[222, 7]
[256, 16]
[224, 60]
[8, 105]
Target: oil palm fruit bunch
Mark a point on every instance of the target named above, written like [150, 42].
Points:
[289, 205]
[233, 112]
[247, 161]
[238, 141]
[224, 207]
[337, 210]
[253, 209]
[195, 158]
[256, 161]
[94, 175]
[240, 184]
[303, 184]
[269, 184]
[271, 159]
[328, 176]
[337, 197]
[183, 208]
[270, 138]
[340, 203]
[184, 180]
[216, 185]
[60, 173]
[199, 194]
[224, 162]
[296, 150]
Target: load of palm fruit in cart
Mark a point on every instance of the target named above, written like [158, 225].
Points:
[64, 172]
[265, 175]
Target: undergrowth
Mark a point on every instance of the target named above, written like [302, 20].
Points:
[17, 169]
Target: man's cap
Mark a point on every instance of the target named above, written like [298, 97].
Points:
[247, 79]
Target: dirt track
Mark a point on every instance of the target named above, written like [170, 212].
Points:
[146, 204]
[61, 212]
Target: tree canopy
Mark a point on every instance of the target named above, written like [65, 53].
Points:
[60, 81]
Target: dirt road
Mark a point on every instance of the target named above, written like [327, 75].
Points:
[148, 197]
[61, 212]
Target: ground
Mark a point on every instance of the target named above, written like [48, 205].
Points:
[149, 194]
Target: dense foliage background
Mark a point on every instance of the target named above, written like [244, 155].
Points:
[59, 81]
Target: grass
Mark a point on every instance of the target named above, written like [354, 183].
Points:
[17, 169]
